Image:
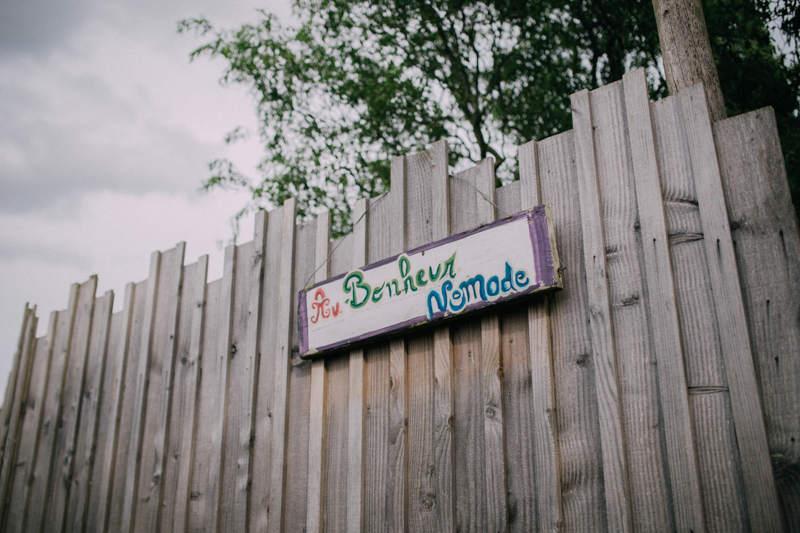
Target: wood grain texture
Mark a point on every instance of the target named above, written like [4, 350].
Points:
[17, 408]
[428, 219]
[281, 354]
[628, 293]
[5, 414]
[110, 411]
[40, 482]
[762, 498]
[66, 433]
[123, 452]
[355, 397]
[90, 405]
[178, 464]
[158, 388]
[709, 399]
[242, 375]
[297, 439]
[207, 457]
[686, 50]
[139, 397]
[574, 366]
[615, 468]
[536, 362]
[764, 230]
[29, 434]
[316, 428]
[679, 435]
[384, 441]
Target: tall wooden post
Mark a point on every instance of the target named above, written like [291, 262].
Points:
[686, 50]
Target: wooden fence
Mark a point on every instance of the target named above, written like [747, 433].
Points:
[659, 391]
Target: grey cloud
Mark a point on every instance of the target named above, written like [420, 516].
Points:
[38, 26]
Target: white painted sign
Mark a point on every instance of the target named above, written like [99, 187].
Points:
[481, 267]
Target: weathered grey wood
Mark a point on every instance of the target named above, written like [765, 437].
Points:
[11, 385]
[683, 472]
[719, 464]
[384, 469]
[158, 386]
[762, 499]
[316, 429]
[547, 492]
[686, 50]
[615, 470]
[355, 397]
[139, 396]
[177, 470]
[297, 437]
[429, 436]
[123, 451]
[574, 367]
[17, 408]
[281, 354]
[110, 411]
[242, 372]
[765, 233]
[33, 406]
[509, 198]
[87, 431]
[204, 496]
[645, 456]
[34, 514]
[66, 433]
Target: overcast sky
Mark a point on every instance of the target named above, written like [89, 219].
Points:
[106, 130]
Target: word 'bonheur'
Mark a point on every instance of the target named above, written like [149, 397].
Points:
[442, 299]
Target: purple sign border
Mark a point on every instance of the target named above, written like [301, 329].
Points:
[543, 262]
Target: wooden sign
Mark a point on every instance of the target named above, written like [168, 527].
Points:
[478, 268]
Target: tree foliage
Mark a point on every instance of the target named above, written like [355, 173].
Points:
[355, 83]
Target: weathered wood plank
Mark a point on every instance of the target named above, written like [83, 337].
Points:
[615, 469]
[11, 384]
[123, 451]
[158, 387]
[384, 469]
[297, 439]
[40, 481]
[429, 451]
[110, 409]
[709, 400]
[139, 396]
[281, 354]
[683, 472]
[648, 491]
[538, 368]
[17, 408]
[177, 470]
[759, 484]
[207, 457]
[355, 397]
[577, 414]
[87, 432]
[66, 433]
[260, 510]
[765, 233]
[316, 428]
[242, 373]
[33, 411]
